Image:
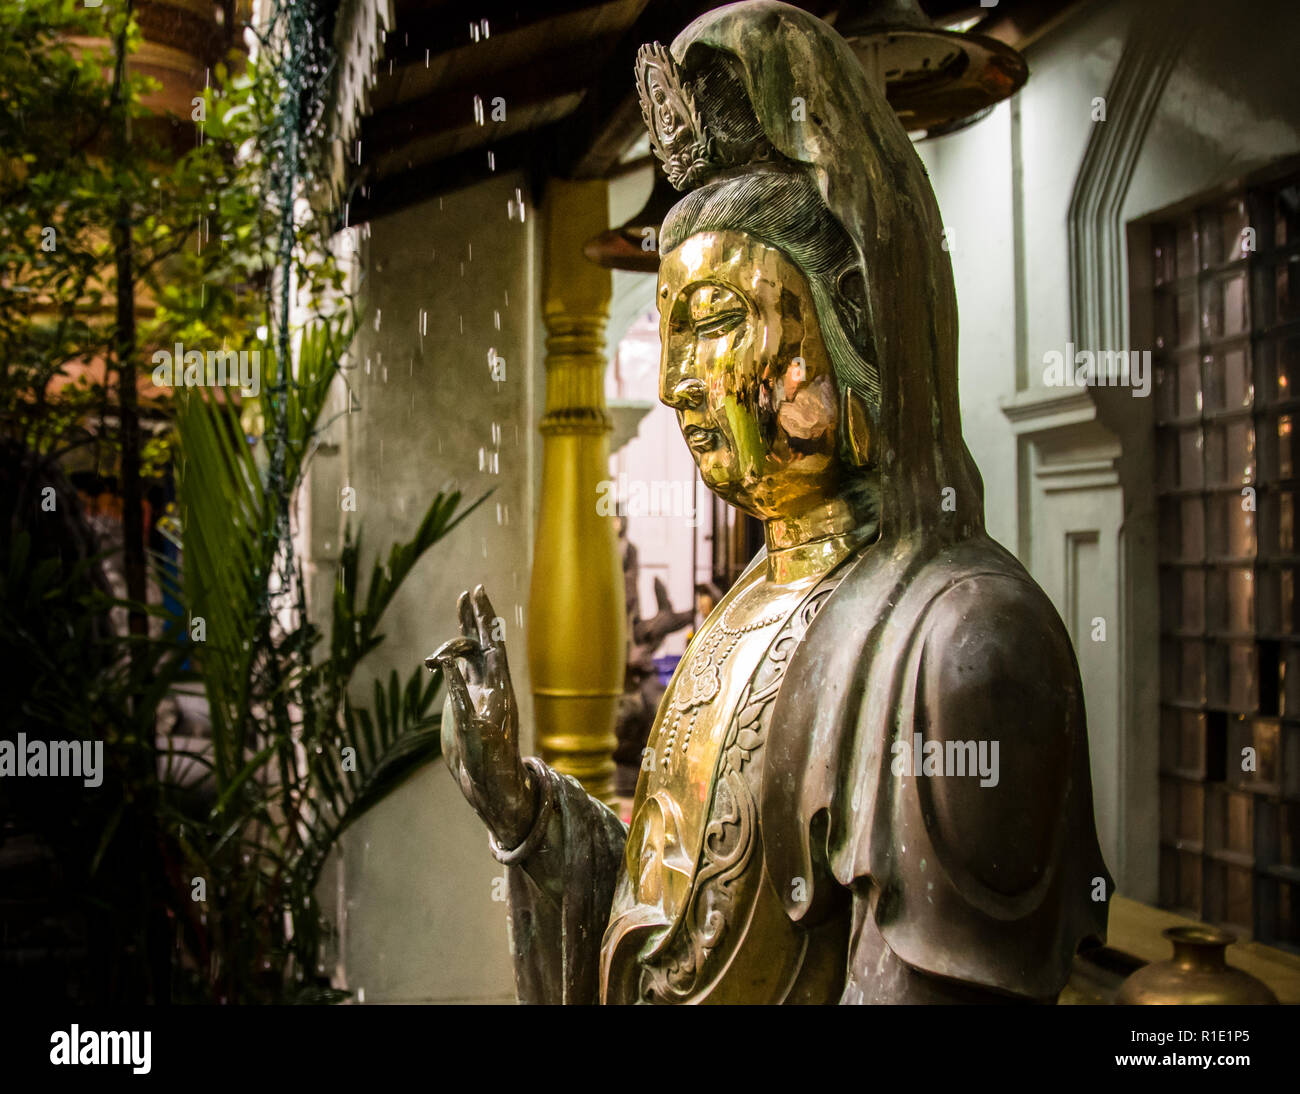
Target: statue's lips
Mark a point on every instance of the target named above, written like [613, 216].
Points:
[700, 439]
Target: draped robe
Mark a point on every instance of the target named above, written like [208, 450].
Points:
[992, 887]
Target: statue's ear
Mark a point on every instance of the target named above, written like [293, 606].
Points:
[857, 425]
[852, 284]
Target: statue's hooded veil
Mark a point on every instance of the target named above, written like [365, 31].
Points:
[872, 181]
[829, 801]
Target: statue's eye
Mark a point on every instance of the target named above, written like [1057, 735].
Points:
[719, 323]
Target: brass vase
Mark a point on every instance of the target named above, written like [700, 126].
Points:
[1197, 974]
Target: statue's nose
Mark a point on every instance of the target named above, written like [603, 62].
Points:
[687, 394]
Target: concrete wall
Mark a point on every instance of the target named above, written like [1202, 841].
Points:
[443, 284]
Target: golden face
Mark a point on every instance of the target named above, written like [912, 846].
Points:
[745, 367]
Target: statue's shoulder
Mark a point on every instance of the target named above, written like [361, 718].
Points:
[993, 627]
[997, 682]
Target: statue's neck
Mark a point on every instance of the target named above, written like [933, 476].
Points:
[816, 539]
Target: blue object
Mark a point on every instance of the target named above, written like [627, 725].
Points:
[665, 666]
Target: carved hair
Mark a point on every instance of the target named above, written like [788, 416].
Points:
[782, 207]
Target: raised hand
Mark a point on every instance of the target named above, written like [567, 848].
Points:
[480, 725]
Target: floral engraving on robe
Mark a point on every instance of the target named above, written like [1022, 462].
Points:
[674, 971]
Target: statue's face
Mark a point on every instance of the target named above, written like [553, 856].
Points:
[745, 367]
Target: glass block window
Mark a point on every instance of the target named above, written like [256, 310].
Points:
[1226, 309]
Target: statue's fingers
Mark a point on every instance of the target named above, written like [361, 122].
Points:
[467, 650]
[484, 617]
[497, 667]
[469, 630]
[468, 626]
[461, 703]
[450, 650]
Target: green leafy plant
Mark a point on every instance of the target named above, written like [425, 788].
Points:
[296, 757]
[197, 861]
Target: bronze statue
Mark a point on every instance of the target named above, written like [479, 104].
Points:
[870, 777]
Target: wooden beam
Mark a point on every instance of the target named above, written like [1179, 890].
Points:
[550, 77]
[431, 31]
[376, 197]
[588, 143]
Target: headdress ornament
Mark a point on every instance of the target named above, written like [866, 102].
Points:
[698, 127]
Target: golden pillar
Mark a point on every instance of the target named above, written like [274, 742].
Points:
[577, 647]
